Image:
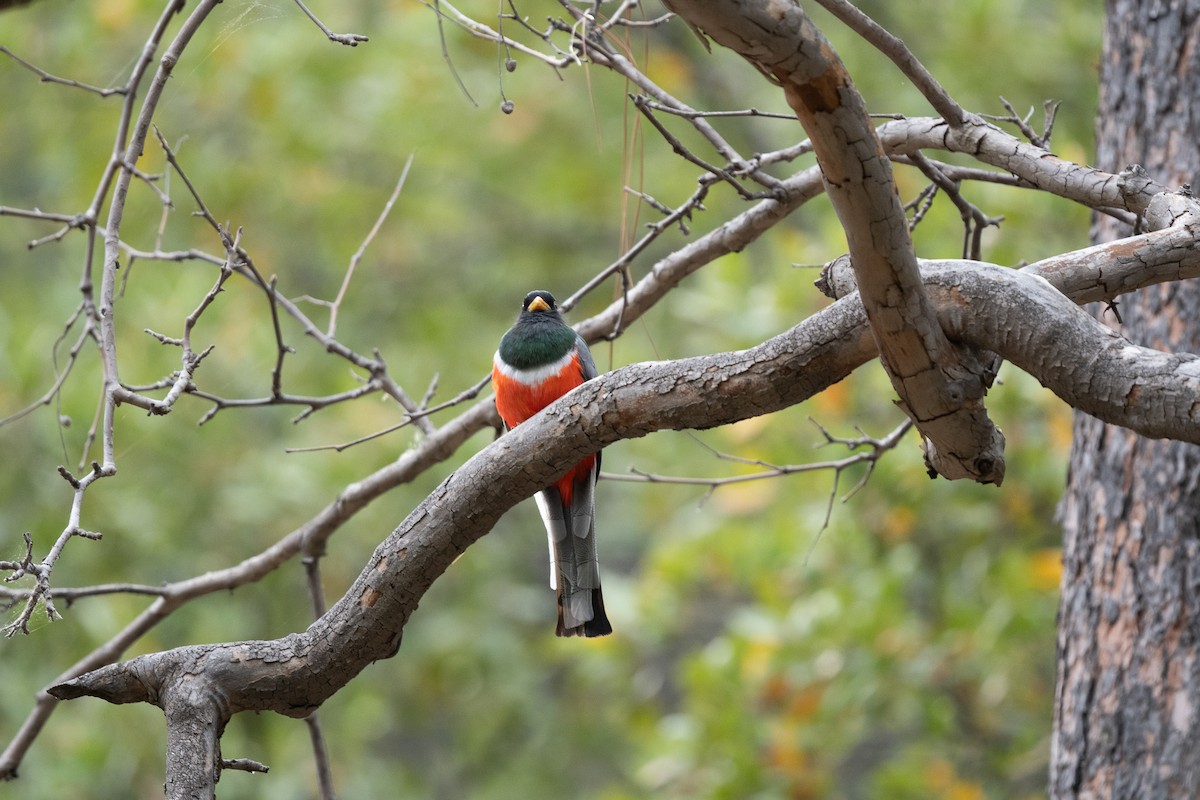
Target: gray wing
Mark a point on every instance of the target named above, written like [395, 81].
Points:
[585, 358]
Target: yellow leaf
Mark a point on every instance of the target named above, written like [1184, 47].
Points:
[115, 14]
[962, 790]
[898, 524]
[1045, 568]
[670, 70]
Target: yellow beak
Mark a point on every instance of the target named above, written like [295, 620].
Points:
[538, 304]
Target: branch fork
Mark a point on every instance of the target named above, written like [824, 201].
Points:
[941, 387]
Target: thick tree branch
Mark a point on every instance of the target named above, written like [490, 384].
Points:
[366, 624]
[1097, 273]
[732, 236]
[196, 717]
[1019, 316]
[941, 387]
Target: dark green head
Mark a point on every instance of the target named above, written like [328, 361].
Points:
[539, 301]
[540, 335]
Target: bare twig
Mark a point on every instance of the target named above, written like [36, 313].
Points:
[316, 595]
[312, 404]
[348, 39]
[87, 333]
[41, 570]
[241, 263]
[1050, 111]
[46, 77]
[920, 205]
[436, 5]
[320, 756]
[962, 174]
[331, 331]
[430, 392]
[684, 212]
[692, 113]
[70, 595]
[102, 313]
[409, 419]
[768, 471]
[681, 150]
[974, 220]
[559, 59]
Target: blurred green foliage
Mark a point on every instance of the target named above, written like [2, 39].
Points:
[905, 651]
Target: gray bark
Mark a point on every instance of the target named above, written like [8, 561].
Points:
[1127, 719]
[1021, 317]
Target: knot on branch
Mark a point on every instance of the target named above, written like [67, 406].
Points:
[126, 682]
[963, 442]
[1168, 209]
[1137, 188]
[837, 278]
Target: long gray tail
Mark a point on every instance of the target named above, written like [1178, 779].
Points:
[574, 567]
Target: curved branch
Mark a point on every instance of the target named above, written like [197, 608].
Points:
[1019, 316]
[1098, 273]
[1091, 367]
[366, 624]
[1101, 272]
[941, 387]
[438, 446]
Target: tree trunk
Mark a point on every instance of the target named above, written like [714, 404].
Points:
[1127, 720]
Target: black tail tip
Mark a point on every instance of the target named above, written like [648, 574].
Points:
[598, 625]
[590, 629]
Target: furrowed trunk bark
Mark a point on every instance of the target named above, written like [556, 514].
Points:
[1127, 719]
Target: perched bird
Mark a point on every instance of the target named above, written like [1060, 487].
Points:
[539, 360]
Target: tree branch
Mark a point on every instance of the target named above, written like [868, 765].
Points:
[1019, 316]
[941, 387]
[348, 39]
[1131, 190]
[894, 48]
[46, 77]
[196, 718]
[1131, 388]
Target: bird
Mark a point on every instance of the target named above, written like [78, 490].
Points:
[541, 358]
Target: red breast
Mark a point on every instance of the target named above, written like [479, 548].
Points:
[517, 401]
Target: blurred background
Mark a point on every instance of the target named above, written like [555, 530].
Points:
[907, 650]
